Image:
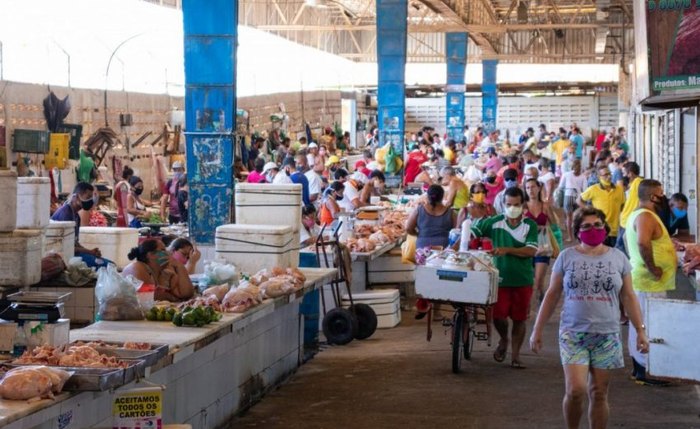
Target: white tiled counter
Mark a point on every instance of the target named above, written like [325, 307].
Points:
[209, 374]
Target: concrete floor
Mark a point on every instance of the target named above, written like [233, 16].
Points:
[398, 380]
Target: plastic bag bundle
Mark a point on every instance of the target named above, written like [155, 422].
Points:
[116, 296]
[216, 273]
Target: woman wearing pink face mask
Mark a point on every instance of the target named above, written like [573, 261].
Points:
[593, 278]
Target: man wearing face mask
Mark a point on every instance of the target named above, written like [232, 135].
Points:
[80, 199]
[678, 225]
[653, 260]
[608, 198]
[630, 171]
[299, 178]
[510, 180]
[514, 239]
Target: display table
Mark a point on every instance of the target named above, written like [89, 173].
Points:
[209, 374]
[360, 263]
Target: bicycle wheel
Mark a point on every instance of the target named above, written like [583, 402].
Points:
[469, 331]
[457, 340]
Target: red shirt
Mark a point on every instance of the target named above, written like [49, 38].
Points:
[599, 142]
[415, 159]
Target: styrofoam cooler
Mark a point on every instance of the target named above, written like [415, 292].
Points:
[254, 247]
[385, 303]
[457, 284]
[33, 202]
[388, 268]
[59, 237]
[265, 204]
[20, 257]
[8, 208]
[114, 243]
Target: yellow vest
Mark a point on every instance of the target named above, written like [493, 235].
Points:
[664, 257]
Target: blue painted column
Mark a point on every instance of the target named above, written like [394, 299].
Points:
[211, 32]
[391, 93]
[456, 53]
[489, 95]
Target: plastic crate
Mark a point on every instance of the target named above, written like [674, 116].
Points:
[31, 141]
[76, 133]
[58, 151]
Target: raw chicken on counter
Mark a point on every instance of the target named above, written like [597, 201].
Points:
[691, 259]
[69, 356]
[33, 383]
[242, 298]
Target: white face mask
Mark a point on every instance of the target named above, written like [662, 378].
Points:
[514, 212]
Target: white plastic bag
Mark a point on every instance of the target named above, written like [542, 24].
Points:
[218, 273]
[544, 245]
[116, 296]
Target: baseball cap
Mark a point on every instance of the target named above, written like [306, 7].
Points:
[332, 160]
[313, 145]
[178, 164]
[269, 166]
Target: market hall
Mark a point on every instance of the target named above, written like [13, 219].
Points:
[388, 213]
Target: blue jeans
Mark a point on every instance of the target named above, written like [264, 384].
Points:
[620, 243]
[94, 261]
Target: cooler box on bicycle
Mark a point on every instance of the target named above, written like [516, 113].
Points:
[385, 303]
[457, 284]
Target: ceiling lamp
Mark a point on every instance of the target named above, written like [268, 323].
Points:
[522, 12]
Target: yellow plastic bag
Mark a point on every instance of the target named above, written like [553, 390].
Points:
[408, 250]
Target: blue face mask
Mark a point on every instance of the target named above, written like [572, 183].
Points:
[511, 183]
[678, 213]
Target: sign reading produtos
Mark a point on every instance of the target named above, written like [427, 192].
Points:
[138, 409]
[673, 30]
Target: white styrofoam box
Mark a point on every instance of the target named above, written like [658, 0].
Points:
[20, 257]
[254, 247]
[59, 237]
[33, 202]
[264, 204]
[114, 243]
[385, 303]
[51, 334]
[37, 333]
[457, 284]
[389, 269]
[8, 208]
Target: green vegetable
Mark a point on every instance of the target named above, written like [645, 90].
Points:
[188, 319]
[168, 316]
[155, 218]
[177, 319]
[152, 314]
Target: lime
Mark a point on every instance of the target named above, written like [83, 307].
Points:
[188, 319]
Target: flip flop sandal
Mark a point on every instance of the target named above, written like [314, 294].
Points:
[499, 355]
[517, 365]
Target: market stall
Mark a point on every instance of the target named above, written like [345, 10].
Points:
[209, 373]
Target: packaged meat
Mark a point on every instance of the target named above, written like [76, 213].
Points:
[32, 382]
[242, 298]
[218, 291]
[276, 287]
